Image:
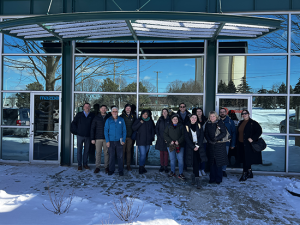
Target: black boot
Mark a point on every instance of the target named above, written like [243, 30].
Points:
[144, 170]
[161, 169]
[250, 174]
[141, 170]
[244, 176]
[166, 169]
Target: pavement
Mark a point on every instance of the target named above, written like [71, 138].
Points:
[261, 200]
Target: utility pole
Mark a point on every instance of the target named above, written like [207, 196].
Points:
[114, 72]
[157, 72]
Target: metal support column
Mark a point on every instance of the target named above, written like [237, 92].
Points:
[66, 110]
[210, 77]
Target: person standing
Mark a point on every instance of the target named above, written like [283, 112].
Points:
[129, 119]
[161, 145]
[216, 150]
[98, 138]
[174, 136]
[82, 124]
[145, 135]
[195, 153]
[230, 125]
[248, 131]
[115, 135]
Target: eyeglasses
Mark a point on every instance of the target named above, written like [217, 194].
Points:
[182, 107]
[244, 114]
[114, 111]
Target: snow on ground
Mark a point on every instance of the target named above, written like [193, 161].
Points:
[261, 200]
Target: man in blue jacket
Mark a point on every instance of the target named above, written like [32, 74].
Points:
[82, 127]
[115, 136]
[232, 131]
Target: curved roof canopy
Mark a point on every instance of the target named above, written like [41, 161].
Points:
[138, 25]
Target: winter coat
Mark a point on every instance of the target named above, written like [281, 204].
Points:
[97, 127]
[186, 119]
[216, 150]
[252, 130]
[129, 120]
[172, 133]
[145, 131]
[160, 127]
[230, 125]
[204, 119]
[190, 145]
[115, 130]
[82, 124]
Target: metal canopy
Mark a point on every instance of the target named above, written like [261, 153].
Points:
[138, 25]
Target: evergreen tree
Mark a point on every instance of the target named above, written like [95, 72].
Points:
[282, 100]
[222, 87]
[244, 87]
[231, 87]
[23, 99]
[259, 100]
[296, 100]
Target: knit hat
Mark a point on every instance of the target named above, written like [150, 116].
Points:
[175, 115]
[127, 105]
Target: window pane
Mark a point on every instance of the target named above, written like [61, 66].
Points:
[295, 35]
[294, 113]
[275, 42]
[270, 113]
[252, 74]
[171, 75]
[15, 144]
[295, 74]
[294, 154]
[274, 155]
[32, 73]
[16, 109]
[105, 74]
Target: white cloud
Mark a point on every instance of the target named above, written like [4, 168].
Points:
[189, 65]
[147, 78]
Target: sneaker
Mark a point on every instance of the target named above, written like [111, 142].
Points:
[200, 174]
[121, 174]
[161, 169]
[86, 167]
[97, 170]
[166, 169]
[110, 173]
[79, 168]
[181, 176]
[203, 173]
[171, 174]
[224, 174]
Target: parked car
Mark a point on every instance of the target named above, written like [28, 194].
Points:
[292, 124]
[16, 117]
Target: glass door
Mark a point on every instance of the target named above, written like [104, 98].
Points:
[234, 106]
[45, 127]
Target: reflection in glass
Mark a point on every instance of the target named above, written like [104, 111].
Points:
[295, 35]
[46, 127]
[295, 75]
[95, 74]
[274, 155]
[294, 154]
[16, 109]
[275, 42]
[252, 74]
[32, 73]
[270, 113]
[294, 115]
[15, 144]
[171, 75]
[234, 107]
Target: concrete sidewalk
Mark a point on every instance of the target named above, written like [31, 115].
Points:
[261, 200]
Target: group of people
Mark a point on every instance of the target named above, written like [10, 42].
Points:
[191, 138]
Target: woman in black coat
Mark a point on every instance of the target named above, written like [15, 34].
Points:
[217, 155]
[248, 131]
[200, 116]
[145, 135]
[161, 145]
[195, 153]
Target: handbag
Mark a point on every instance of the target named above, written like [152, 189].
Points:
[259, 145]
[227, 138]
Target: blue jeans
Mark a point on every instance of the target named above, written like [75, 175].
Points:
[172, 156]
[225, 166]
[87, 143]
[143, 153]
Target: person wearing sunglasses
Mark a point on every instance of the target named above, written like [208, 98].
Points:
[248, 131]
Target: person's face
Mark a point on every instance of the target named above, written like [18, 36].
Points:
[87, 108]
[223, 113]
[212, 117]
[103, 110]
[182, 108]
[114, 113]
[165, 113]
[245, 115]
[128, 110]
[145, 115]
[175, 120]
[199, 112]
[193, 119]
